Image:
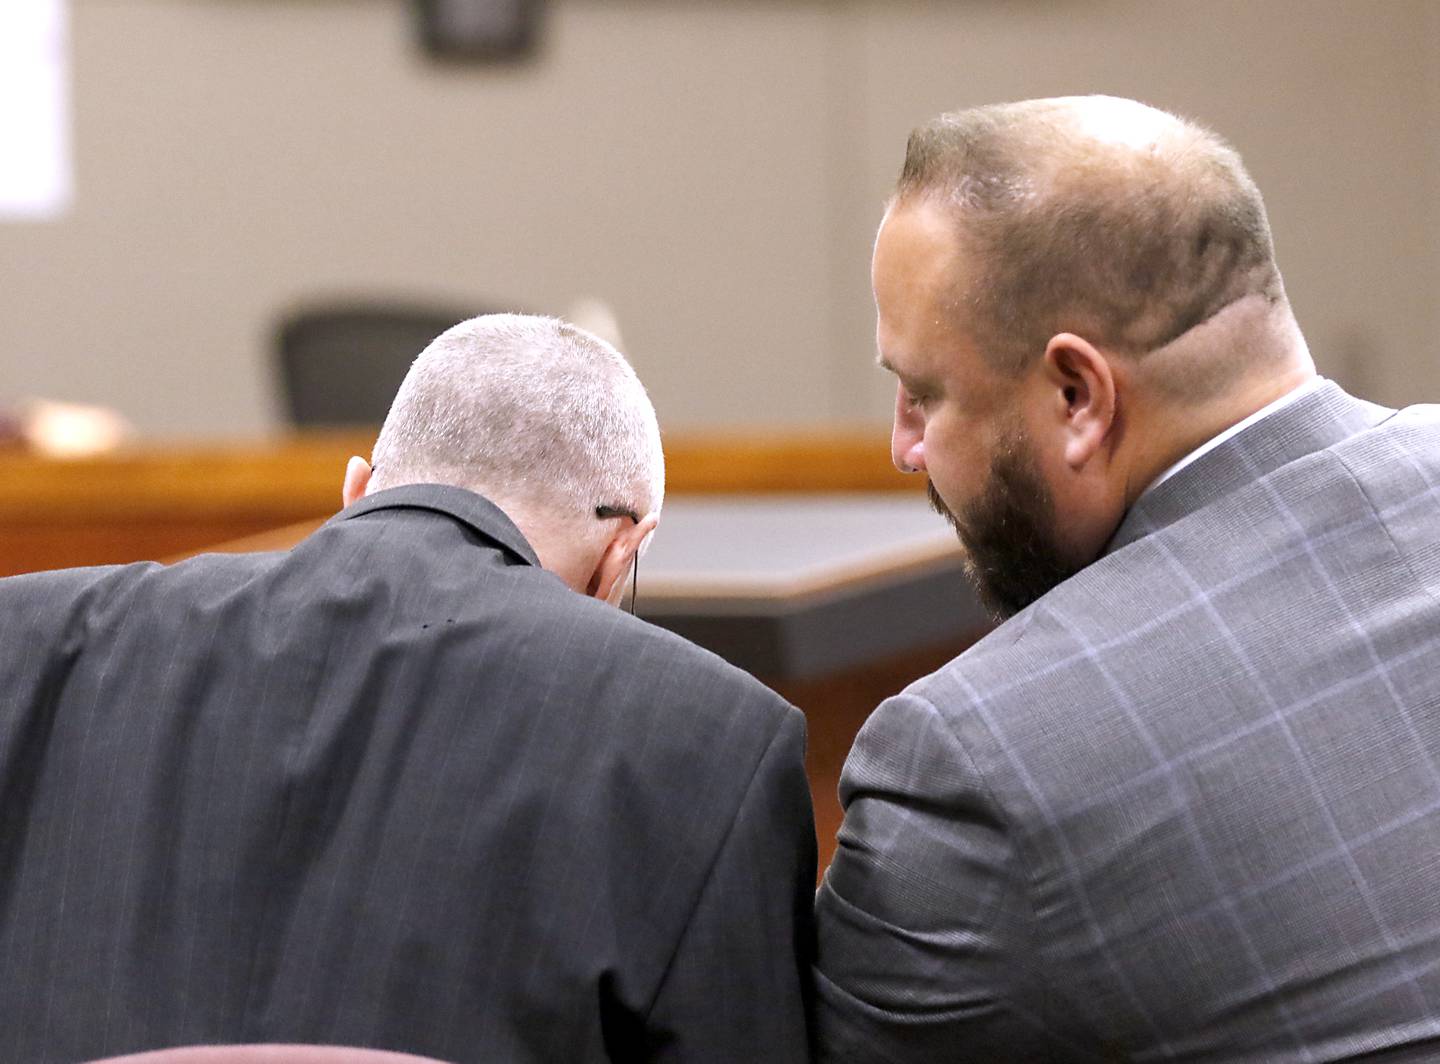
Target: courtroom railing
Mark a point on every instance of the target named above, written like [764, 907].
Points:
[162, 499]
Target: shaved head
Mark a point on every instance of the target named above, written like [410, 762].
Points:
[531, 412]
[1097, 216]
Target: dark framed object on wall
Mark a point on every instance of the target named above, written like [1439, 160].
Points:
[478, 30]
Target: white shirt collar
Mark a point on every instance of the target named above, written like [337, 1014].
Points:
[1239, 426]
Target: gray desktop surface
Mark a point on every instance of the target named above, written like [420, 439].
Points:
[795, 587]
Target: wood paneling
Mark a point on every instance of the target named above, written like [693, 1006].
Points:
[159, 500]
[837, 461]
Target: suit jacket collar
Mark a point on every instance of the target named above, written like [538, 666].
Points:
[476, 511]
[1316, 421]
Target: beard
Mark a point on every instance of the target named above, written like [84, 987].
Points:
[1012, 552]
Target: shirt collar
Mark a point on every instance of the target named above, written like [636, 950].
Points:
[1240, 426]
[1317, 419]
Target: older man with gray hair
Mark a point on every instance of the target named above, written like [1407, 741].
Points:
[546, 421]
[1184, 802]
[413, 785]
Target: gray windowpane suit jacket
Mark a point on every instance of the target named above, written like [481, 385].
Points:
[1187, 805]
[397, 788]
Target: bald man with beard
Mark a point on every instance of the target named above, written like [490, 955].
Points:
[1183, 803]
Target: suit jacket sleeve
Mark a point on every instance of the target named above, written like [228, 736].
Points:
[737, 987]
[923, 918]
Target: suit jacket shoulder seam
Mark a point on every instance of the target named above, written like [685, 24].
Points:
[1384, 527]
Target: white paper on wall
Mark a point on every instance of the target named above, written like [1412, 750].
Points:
[35, 165]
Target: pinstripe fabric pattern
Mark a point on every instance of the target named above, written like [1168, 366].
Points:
[397, 788]
[1187, 805]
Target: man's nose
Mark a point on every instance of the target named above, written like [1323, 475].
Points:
[907, 444]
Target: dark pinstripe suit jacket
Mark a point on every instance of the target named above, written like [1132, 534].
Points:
[1187, 805]
[398, 787]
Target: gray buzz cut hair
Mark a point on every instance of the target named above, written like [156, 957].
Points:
[526, 409]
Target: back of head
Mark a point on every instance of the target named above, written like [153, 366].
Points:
[533, 413]
[1092, 215]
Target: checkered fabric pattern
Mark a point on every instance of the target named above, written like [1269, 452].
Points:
[1187, 805]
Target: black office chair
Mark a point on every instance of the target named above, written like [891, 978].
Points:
[340, 364]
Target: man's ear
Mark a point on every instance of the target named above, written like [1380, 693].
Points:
[607, 582]
[1082, 401]
[357, 478]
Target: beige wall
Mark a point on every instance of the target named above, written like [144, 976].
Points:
[714, 170]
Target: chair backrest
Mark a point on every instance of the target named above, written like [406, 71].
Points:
[268, 1054]
[341, 364]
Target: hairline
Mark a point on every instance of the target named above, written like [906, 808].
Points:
[1022, 184]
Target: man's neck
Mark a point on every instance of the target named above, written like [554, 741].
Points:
[1187, 434]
